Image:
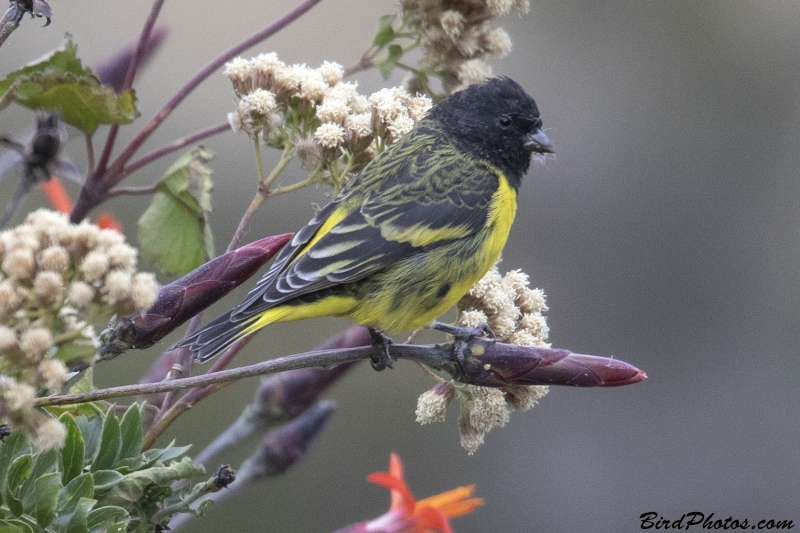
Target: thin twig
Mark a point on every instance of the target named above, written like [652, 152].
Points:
[432, 355]
[133, 191]
[204, 73]
[10, 21]
[109, 176]
[144, 36]
[89, 154]
[175, 145]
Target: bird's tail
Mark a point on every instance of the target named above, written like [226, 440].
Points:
[215, 337]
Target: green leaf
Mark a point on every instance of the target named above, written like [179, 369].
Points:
[15, 445]
[394, 52]
[110, 443]
[104, 479]
[131, 428]
[72, 453]
[59, 81]
[14, 526]
[42, 503]
[72, 351]
[102, 518]
[43, 463]
[78, 523]
[79, 488]
[63, 59]
[91, 429]
[385, 33]
[174, 230]
[19, 471]
[133, 486]
[165, 454]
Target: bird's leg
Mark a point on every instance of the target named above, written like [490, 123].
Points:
[462, 336]
[381, 358]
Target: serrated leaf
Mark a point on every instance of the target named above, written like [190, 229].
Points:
[394, 52]
[104, 479]
[174, 230]
[110, 443]
[83, 102]
[59, 81]
[133, 486]
[72, 454]
[63, 59]
[131, 428]
[79, 488]
[102, 518]
[385, 33]
[43, 501]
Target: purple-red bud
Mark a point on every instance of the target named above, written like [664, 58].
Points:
[284, 446]
[113, 70]
[180, 300]
[498, 365]
[283, 396]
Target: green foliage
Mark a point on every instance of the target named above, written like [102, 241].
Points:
[174, 230]
[101, 480]
[59, 81]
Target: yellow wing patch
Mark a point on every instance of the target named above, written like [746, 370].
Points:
[337, 216]
[421, 235]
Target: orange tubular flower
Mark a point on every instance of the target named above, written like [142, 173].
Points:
[406, 514]
[62, 203]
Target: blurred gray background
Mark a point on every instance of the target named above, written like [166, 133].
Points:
[665, 233]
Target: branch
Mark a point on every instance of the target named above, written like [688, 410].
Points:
[95, 190]
[485, 363]
[175, 145]
[10, 21]
[204, 73]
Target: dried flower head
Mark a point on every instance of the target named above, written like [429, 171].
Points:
[456, 39]
[432, 404]
[335, 131]
[514, 313]
[54, 277]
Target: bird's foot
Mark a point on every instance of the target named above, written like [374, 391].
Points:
[381, 358]
[463, 335]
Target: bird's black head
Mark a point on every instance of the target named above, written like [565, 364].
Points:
[497, 121]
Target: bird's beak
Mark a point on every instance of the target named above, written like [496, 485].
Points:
[537, 141]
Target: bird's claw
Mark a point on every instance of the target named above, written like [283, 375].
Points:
[462, 336]
[381, 358]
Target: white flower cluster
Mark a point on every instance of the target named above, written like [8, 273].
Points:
[57, 278]
[513, 311]
[332, 127]
[510, 308]
[456, 37]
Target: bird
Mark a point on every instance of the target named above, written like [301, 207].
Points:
[409, 235]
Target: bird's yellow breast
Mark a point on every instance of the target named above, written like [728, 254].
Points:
[413, 292]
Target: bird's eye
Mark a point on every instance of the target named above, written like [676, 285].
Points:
[504, 121]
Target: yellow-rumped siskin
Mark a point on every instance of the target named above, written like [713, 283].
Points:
[409, 235]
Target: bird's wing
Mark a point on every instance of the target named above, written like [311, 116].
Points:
[401, 206]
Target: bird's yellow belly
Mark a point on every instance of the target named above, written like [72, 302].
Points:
[414, 291]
